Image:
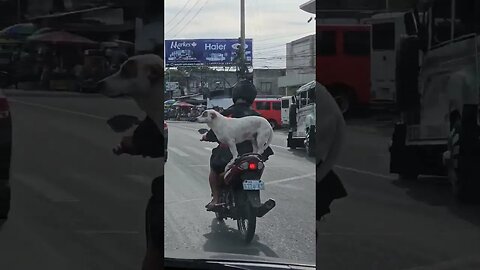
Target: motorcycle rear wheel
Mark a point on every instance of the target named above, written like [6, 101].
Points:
[247, 224]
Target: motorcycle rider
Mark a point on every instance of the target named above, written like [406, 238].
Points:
[243, 95]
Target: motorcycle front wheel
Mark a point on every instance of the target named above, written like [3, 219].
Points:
[247, 223]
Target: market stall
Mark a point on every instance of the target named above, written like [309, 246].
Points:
[60, 55]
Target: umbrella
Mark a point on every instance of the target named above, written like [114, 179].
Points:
[170, 101]
[182, 104]
[60, 37]
[20, 30]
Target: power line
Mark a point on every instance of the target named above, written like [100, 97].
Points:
[184, 17]
[191, 19]
[186, 3]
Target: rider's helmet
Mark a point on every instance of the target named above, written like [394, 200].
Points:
[244, 90]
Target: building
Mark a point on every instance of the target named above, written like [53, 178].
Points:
[266, 80]
[300, 66]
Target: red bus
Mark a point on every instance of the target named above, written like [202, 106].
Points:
[270, 109]
[343, 63]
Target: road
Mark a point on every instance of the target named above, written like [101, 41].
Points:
[75, 204]
[287, 232]
[387, 223]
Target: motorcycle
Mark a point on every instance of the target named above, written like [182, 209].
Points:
[240, 194]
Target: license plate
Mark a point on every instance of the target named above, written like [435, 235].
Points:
[253, 185]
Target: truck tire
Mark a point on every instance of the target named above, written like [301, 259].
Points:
[310, 142]
[400, 155]
[464, 184]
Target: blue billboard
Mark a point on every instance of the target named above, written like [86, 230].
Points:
[209, 52]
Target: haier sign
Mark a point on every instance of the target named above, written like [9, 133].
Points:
[210, 52]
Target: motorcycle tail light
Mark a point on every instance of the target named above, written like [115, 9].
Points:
[260, 165]
[243, 166]
[252, 166]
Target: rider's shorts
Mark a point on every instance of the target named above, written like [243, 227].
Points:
[220, 158]
[221, 155]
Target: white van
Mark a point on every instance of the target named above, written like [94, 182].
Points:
[286, 102]
[387, 29]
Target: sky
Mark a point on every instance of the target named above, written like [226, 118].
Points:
[270, 23]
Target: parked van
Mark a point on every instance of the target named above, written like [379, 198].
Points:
[286, 102]
[270, 109]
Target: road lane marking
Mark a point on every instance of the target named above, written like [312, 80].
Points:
[196, 150]
[106, 232]
[366, 172]
[279, 146]
[310, 175]
[59, 109]
[46, 189]
[178, 151]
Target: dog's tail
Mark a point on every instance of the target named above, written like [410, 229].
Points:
[265, 137]
[324, 166]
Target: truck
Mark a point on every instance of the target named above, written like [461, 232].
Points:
[343, 63]
[438, 96]
[302, 129]
[386, 32]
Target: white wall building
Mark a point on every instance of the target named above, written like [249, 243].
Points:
[300, 66]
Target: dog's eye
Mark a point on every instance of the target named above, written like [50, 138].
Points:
[129, 69]
[204, 114]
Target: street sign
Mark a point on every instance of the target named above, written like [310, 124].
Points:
[171, 86]
[209, 52]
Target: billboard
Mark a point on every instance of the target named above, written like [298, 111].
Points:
[209, 52]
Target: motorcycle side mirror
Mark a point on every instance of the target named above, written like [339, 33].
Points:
[202, 130]
[121, 123]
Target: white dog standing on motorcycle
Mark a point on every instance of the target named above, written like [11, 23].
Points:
[232, 131]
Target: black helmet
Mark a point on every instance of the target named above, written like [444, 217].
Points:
[244, 90]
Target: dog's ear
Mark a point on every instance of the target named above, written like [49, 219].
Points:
[156, 73]
[129, 69]
[213, 115]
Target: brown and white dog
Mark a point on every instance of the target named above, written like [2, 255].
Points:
[141, 78]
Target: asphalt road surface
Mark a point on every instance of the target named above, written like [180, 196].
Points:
[286, 232]
[75, 204]
[387, 223]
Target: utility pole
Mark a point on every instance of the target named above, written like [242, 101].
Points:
[243, 65]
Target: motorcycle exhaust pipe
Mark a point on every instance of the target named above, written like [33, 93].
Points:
[265, 207]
